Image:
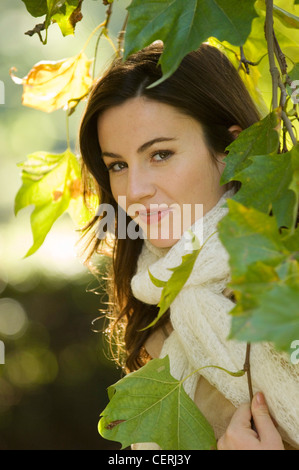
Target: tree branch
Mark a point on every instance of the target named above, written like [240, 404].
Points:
[280, 56]
[271, 54]
[274, 50]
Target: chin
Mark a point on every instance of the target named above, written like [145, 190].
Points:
[162, 243]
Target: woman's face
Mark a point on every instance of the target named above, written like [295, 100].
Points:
[161, 172]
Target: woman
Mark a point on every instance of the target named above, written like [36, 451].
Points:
[156, 157]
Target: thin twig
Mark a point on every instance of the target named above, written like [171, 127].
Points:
[270, 44]
[121, 36]
[246, 368]
[274, 50]
[104, 31]
[289, 127]
[246, 62]
[283, 94]
[280, 56]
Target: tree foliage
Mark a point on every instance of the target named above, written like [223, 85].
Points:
[259, 232]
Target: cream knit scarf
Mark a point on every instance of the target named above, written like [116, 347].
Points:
[201, 323]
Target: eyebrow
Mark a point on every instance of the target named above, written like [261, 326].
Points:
[143, 147]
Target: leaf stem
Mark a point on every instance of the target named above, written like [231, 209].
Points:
[68, 141]
[102, 25]
[247, 370]
[239, 373]
[104, 31]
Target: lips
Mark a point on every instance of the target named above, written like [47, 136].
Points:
[154, 216]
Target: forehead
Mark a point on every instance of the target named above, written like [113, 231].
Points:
[140, 119]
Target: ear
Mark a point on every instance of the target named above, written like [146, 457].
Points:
[235, 130]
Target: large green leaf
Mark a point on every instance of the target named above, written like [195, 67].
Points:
[250, 236]
[274, 319]
[259, 139]
[36, 8]
[271, 182]
[52, 184]
[183, 26]
[267, 307]
[149, 405]
[265, 276]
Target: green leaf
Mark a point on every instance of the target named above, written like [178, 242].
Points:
[287, 19]
[155, 281]
[50, 183]
[259, 139]
[250, 236]
[42, 220]
[292, 240]
[271, 182]
[66, 13]
[275, 319]
[251, 80]
[67, 16]
[180, 275]
[54, 6]
[294, 73]
[265, 276]
[149, 405]
[36, 8]
[183, 26]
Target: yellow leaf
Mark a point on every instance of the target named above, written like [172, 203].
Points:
[54, 85]
[250, 80]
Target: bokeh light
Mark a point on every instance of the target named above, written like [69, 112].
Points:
[13, 318]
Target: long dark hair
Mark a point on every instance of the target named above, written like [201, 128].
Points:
[207, 87]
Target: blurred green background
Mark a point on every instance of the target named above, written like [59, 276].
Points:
[56, 372]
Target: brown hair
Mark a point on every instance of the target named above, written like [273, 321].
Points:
[207, 87]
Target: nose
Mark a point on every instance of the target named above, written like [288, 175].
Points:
[140, 185]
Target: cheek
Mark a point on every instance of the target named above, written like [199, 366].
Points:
[116, 188]
[192, 180]
[119, 194]
[197, 181]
